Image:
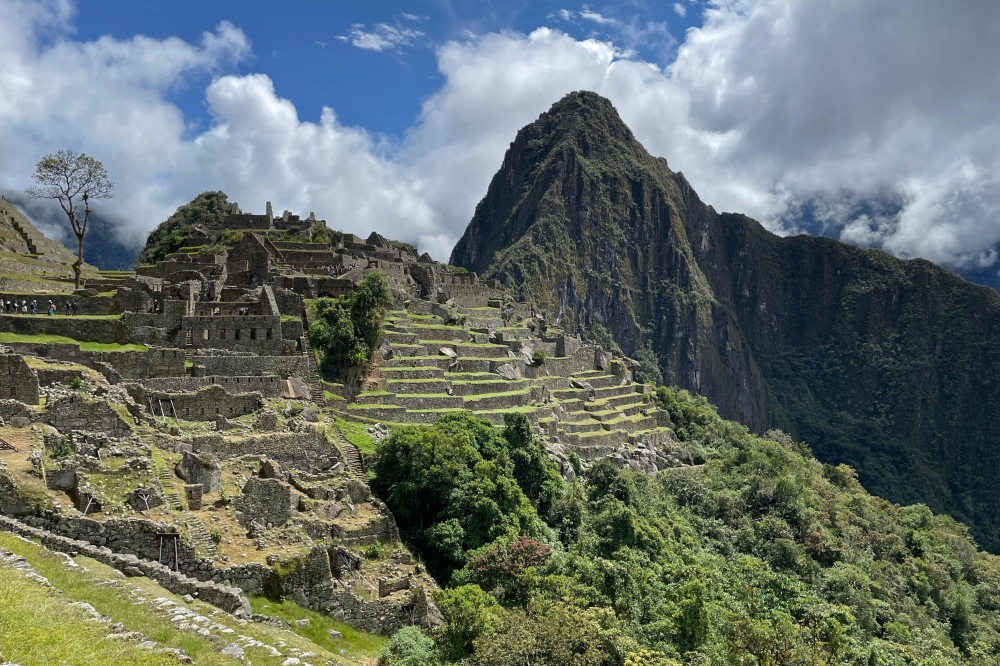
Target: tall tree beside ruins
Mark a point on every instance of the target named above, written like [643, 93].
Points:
[74, 180]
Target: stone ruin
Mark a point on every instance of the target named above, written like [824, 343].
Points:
[221, 412]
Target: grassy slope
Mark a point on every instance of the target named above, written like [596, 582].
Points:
[103, 588]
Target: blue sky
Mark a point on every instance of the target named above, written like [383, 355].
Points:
[310, 49]
[856, 120]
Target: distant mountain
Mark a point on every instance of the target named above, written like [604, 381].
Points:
[888, 365]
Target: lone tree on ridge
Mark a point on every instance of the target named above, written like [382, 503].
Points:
[72, 178]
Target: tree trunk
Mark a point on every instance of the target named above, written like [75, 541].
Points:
[78, 264]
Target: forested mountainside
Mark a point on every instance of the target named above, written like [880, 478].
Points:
[887, 365]
[752, 553]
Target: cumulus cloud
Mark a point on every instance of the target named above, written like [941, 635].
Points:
[849, 118]
[680, 9]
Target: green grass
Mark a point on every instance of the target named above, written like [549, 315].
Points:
[355, 642]
[37, 627]
[63, 340]
[288, 317]
[41, 313]
[331, 396]
[355, 434]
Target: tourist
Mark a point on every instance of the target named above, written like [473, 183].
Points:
[34, 307]
[24, 308]
[52, 308]
[75, 308]
[67, 308]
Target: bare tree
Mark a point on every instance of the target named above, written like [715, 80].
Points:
[71, 179]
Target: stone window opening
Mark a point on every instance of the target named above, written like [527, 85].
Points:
[237, 334]
[222, 334]
[253, 333]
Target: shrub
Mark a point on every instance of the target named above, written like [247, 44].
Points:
[216, 537]
[346, 331]
[409, 647]
[61, 448]
[538, 356]
[76, 384]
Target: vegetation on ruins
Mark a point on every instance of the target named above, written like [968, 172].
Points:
[74, 180]
[346, 330]
[208, 208]
[754, 554]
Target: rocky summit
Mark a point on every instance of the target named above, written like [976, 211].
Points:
[883, 364]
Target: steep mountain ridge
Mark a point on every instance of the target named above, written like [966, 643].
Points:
[884, 364]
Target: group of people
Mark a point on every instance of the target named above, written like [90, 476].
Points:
[24, 307]
[337, 271]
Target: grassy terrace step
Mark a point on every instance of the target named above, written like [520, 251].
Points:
[11, 338]
[495, 416]
[511, 333]
[614, 401]
[423, 401]
[412, 372]
[417, 385]
[630, 423]
[610, 391]
[409, 350]
[570, 394]
[496, 385]
[601, 381]
[470, 376]
[441, 332]
[394, 338]
[472, 350]
[597, 438]
[411, 362]
[482, 364]
[505, 400]
[583, 425]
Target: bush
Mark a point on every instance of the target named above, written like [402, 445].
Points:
[216, 537]
[409, 647]
[538, 356]
[61, 448]
[76, 384]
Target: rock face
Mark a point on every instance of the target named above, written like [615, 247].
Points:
[883, 364]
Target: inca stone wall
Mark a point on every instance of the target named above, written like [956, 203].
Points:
[17, 380]
[95, 330]
[204, 404]
[308, 451]
[79, 412]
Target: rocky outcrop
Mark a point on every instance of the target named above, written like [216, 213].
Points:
[203, 469]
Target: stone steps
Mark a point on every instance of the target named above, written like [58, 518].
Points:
[610, 391]
[199, 536]
[167, 482]
[586, 425]
[599, 380]
[613, 402]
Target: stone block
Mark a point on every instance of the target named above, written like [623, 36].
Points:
[193, 493]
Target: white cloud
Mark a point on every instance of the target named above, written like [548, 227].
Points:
[587, 14]
[680, 9]
[381, 37]
[880, 125]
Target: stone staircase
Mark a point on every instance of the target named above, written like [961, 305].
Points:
[199, 536]
[315, 386]
[167, 482]
[26, 234]
[352, 457]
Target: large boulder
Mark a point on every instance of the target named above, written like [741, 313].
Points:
[267, 501]
[203, 469]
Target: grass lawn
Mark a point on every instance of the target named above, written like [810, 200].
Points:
[356, 434]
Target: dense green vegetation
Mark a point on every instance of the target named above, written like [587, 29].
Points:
[170, 235]
[884, 364]
[755, 554]
[346, 331]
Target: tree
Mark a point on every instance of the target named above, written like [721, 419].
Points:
[72, 178]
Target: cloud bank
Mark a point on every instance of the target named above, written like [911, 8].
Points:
[858, 119]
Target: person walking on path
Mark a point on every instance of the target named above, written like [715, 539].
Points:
[34, 307]
[75, 308]
[52, 308]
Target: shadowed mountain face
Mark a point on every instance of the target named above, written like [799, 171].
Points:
[890, 366]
